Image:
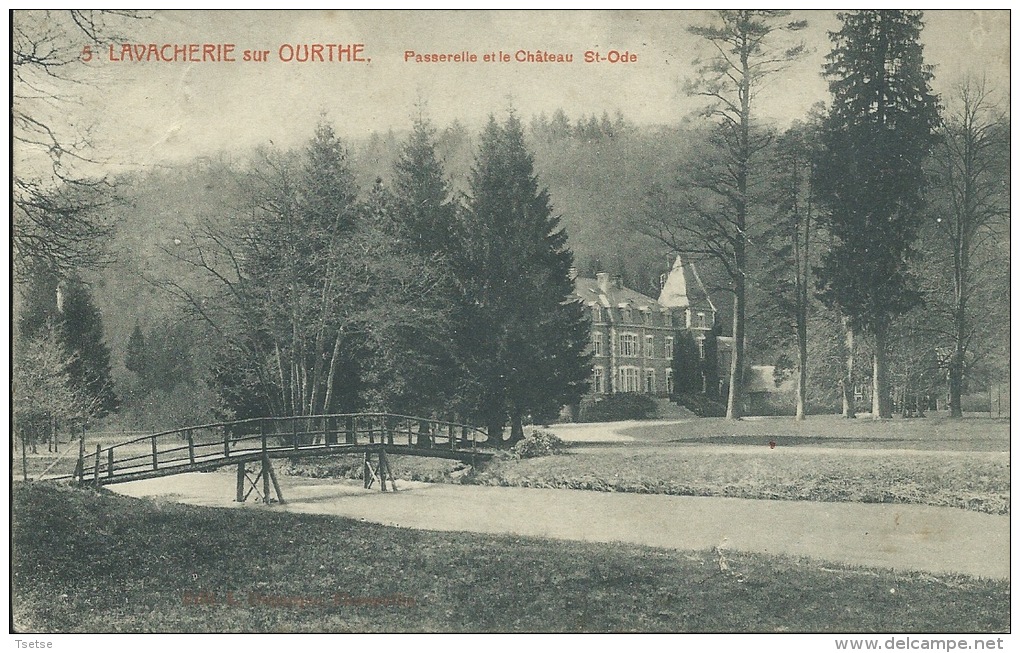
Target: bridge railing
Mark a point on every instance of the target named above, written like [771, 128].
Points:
[193, 445]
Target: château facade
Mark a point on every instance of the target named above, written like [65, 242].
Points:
[633, 335]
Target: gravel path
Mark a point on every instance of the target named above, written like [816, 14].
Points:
[902, 537]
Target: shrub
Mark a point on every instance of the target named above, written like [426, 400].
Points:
[619, 406]
[702, 405]
[538, 442]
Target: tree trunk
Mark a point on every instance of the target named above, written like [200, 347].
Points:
[334, 362]
[849, 408]
[494, 429]
[802, 355]
[734, 403]
[880, 404]
[516, 428]
[801, 389]
[956, 363]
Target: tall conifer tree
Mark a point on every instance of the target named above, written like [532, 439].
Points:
[869, 176]
[528, 337]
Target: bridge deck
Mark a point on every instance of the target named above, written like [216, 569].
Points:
[211, 446]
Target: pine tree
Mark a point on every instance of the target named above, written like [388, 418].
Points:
[136, 356]
[525, 348]
[710, 364]
[425, 224]
[687, 373]
[424, 212]
[83, 336]
[869, 176]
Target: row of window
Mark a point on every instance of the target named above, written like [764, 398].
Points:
[629, 379]
[699, 320]
[628, 346]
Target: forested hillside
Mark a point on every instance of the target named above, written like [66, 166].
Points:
[600, 174]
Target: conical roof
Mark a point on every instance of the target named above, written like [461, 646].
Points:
[683, 288]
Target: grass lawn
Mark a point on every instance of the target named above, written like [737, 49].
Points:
[937, 432]
[975, 481]
[88, 561]
[934, 461]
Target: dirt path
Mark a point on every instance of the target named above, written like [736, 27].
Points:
[903, 537]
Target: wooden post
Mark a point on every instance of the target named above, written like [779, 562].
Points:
[155, 464]
[226, 442]
[265, 478]
[240, 483]
[109, 463]
[464, 435]
[384, 464]
[191, 447]
[350, 426]
[265, 462]
[367, 470]
[276, 483]
[382, 468]
[95, 476]
[451, 434]
[24, 456]
[81, 456]
[295, 429]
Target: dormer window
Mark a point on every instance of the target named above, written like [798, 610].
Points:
[648, 317]
[596, 313]
[626, 315]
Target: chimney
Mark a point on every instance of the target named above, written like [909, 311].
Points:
[618, 280]
[603, 279]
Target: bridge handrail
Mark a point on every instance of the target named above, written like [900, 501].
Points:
[255, 420]
[104, 456]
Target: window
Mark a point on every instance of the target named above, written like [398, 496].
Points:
[628, 344]
[596, 313]
[630, 379]
[650, 381]
[700, 322]
[669, 348]
[669, 382]
[701, 348]
[669, 318]
[596, 344]
[597, 381]
[647, 316]
[626, 315]
[650, 346]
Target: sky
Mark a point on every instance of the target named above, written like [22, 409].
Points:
[144, 113]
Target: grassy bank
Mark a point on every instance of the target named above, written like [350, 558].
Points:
[86, 561]
[976, 481]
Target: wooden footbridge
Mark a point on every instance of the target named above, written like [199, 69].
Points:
[253, 444]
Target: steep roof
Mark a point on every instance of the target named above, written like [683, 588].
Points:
[683, 288]
[590, 292]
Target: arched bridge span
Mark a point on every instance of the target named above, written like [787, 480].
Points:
[263, 439]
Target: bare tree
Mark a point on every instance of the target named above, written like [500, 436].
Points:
[972, 164]
[58, 215]
[713, 216]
